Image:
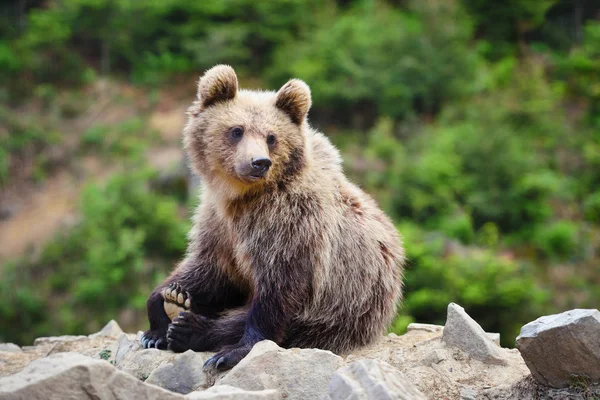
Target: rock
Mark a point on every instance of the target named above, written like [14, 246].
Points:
[295, 373]
[462, 332]
[124, 346]
[10, 348]
[74, 376]
[435, 357]
[57, 339]
[112, 329]
[424, 327]
[468, 393]
[182, 375]
[225, 392]
[141, 363]
[561, 347]
[529, 389]
[494, 337]
[371, 379]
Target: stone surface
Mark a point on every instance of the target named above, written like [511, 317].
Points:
[141, 363]
[294, 373]
[424, 327]
[58, 339]
[10, 348]
[112, 329]
[494, 337]
[371, 379]
[74, 376]
[468, 393]
[558, 348]
[529, 389]
[438, 370]
[436, 356]
[225, 392]
[461, 331]
[124, 346]
[182, 375]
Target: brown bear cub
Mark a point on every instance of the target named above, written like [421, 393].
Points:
[283, 246]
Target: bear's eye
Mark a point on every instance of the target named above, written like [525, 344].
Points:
[271, 140]
[236, 132]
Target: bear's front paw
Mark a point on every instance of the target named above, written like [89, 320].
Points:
[228, 358]
[176, 300]
[154, 339]
[187, 332]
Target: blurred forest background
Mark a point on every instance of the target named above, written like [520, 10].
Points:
[475, 124]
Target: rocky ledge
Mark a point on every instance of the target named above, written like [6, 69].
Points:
[558, 357]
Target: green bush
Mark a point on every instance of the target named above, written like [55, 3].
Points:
[592, 207]
[581, 68]
[489, 160]
[498, 292]
[558, 239]
[127, 240]
[23, 142]
[128, 138]
[356, 64]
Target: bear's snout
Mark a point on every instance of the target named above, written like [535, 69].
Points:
[260, 166]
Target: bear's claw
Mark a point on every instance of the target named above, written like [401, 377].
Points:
[153, 339]
[227, 358]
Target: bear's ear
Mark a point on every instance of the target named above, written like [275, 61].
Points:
[294, 99]
[219, 83]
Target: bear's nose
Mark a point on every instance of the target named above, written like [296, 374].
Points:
[261, 164]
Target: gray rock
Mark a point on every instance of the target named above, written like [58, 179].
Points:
[124, 346]
[295, 373]
[112, 329]
[435, 357]
[371, 379]
[494, 337]
[468, 393]
[57, 339]
[461, 331]
[74, 376]
[141, 363]
[10, 348]
[424, 327]
[182, 375]
[224, 392]
[558, 348]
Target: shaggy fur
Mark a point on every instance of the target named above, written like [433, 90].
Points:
[301, 256]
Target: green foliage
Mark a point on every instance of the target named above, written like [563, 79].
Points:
[473, 123]
[20, 140]
[581, 68]
[504, 24]
[128, 138]
[149, 40]
[558, 239]
[106, 260]
[377, 61]
[498, 292]
[471, 168]
[592, 207]
[105, 354]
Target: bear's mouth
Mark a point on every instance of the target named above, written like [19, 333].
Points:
[254, 178]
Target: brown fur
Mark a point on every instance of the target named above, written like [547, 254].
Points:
[311, 258]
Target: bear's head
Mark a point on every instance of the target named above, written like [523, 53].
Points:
[238, 140]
